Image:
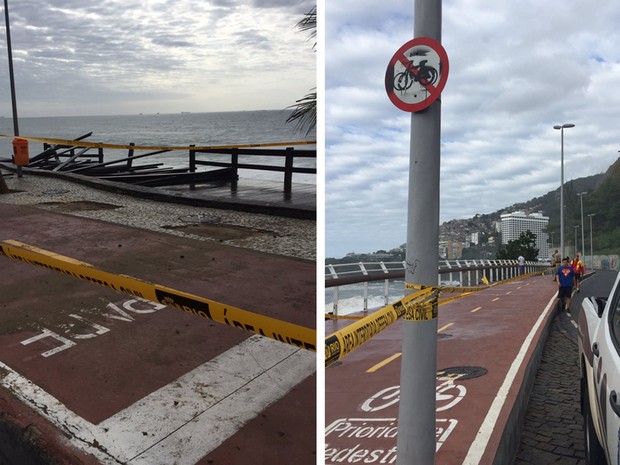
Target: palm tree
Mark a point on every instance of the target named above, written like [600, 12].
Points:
[304, 110]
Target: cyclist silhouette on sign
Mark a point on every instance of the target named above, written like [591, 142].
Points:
[421, 73]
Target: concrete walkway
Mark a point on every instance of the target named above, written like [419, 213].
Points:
[88, 375]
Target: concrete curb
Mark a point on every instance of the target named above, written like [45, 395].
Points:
[511, 437]
[149, 193]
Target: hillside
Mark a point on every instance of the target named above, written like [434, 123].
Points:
[603, 193]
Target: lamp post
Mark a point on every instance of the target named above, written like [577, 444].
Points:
[561, 129]
[11, 76]
[551, 234]
[583, 245]
[576, 227]
[591, 249]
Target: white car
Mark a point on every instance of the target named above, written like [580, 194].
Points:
[599, 359]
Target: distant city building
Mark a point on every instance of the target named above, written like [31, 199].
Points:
[450, 249]
[475, 238]
[513, 224]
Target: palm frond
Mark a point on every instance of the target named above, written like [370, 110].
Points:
[304, 114]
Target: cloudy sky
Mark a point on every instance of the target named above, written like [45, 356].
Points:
[93, 57]
[516, 70]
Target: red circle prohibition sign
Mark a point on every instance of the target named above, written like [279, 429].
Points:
[417, 74]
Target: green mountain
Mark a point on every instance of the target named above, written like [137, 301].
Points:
[602, 199]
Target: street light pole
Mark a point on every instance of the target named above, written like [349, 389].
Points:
[561, 129]
[591, 248]
[576, 227]
[583, 245]
[11, 77]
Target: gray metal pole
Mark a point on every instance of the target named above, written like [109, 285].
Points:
[11, 77]
[416, 416]
[562, 195]
[576, 226]
[591, 248]
[561, 129]
[583, 243]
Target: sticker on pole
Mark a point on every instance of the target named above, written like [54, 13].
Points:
[416, 74]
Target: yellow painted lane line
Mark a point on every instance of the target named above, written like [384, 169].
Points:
[444, 327]
[383, 363]
[397, 354]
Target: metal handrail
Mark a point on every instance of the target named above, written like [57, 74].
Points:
[348, 273]
[452, 273]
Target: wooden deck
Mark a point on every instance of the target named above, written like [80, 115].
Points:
[252, 190]
[246, 194]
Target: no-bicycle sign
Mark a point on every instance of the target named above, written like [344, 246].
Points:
[416, 74]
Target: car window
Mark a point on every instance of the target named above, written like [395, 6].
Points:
[614, 321]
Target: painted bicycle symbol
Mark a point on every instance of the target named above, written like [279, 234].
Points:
[447, 395]
[421, 73]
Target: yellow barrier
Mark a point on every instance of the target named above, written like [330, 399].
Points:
[282, 331]
[419, 305]
[81, 143]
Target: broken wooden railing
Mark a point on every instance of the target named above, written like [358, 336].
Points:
[287, 168]
[78, 157]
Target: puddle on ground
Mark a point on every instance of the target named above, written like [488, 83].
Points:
[79, 206]
[219, 232]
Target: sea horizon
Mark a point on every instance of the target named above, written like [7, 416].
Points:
[179, 129]
[163, 113]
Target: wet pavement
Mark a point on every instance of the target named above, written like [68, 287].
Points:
[93, 376]
[542, 424]
[488, 348]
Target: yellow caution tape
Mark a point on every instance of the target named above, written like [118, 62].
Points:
[422, 311]
[449, 289]
[344, 341]
[289, 333]
[81, 143]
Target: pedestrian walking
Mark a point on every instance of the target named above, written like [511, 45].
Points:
[521, 260]
[565, 277]
[580, 269]
[556, 261]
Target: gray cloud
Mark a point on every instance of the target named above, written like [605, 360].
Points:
[516, 69]
[156, 55]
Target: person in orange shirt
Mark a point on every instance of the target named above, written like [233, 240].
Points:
[580, 269]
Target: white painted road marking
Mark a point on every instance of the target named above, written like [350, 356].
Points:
[183, 421]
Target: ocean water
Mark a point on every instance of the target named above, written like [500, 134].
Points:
[351, 296]
[178, 129]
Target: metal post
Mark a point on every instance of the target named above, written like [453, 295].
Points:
[561, 128]
[591, 248]
[576, 226]
[11, 77]
[562, 194]
[583, 245]
[416, 416]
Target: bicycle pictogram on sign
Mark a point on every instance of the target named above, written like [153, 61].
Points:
[417, 74]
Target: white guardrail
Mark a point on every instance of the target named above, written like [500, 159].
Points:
[358, 287]
[362, 286]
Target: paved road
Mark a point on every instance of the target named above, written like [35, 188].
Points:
[553, 430]
[126, 362]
